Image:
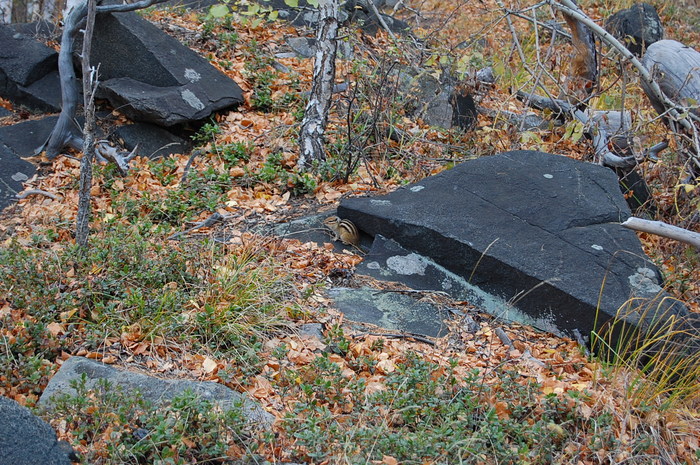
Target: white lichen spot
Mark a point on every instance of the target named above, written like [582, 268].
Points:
[380, 203]
[19, 177]
[374, 266]
[408, 264]
[548, 176]
[191, 99]
[644, 281]
[192, 75]
[597, 247]
[417, 188]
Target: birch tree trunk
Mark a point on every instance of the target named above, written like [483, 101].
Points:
[5, 11]
[313, 126]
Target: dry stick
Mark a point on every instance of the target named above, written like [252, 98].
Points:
[412, 291]
[521, 54]
[194, 155]
[504, 338]
[418, 338]
[210, 221]
[90, 80]
[26, 194]
[663, 229]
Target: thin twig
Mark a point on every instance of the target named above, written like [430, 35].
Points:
[210, 221]
[418, 338]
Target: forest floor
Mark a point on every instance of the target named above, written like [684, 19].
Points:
[230, 313]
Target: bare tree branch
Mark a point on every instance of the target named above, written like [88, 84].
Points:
[675, 111]
[663, 229]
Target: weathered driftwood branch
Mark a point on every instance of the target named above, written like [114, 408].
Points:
[61, 135]
[598, 135]
[313, 126]
[119, 158]
[675, 111]
[663, 229]
[26, 194]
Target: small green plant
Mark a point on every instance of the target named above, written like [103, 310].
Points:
[234, 153]
[207, 133]
[336, 340]
[164, 169]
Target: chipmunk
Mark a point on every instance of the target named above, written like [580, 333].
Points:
[343, 230]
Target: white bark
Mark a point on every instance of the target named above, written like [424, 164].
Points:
[313, 127]
[5, 11]
[663, 229]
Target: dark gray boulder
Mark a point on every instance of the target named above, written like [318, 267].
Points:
[154, 390]
[637, 27]
[26, 137]
[25, 64]
[42, 96]
[150, 141]
[26, 439]
[13, 172]
[538, 231]
[150, 76]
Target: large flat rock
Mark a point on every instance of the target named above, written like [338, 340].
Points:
[150, 76]
[13, 172]
[390, 310]
[538, 231]
[155, 390]
[28, 71]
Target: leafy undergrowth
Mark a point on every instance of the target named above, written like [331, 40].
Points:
[223, 303]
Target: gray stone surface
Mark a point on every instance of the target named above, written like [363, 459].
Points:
[151, 77]
[24, 60]
[536, 230]
[41, 30]
[4, 112]
[13, 171]
[24, 65]
[388, 261]
[26, 439]
[153, 141]
[155, 390]
[43, 95]
[390, 310]
[637, 27]
[312, 330]
[26, 137]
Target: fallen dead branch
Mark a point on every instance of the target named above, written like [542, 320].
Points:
[210, 221]
[26, 194]
[663, 229]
